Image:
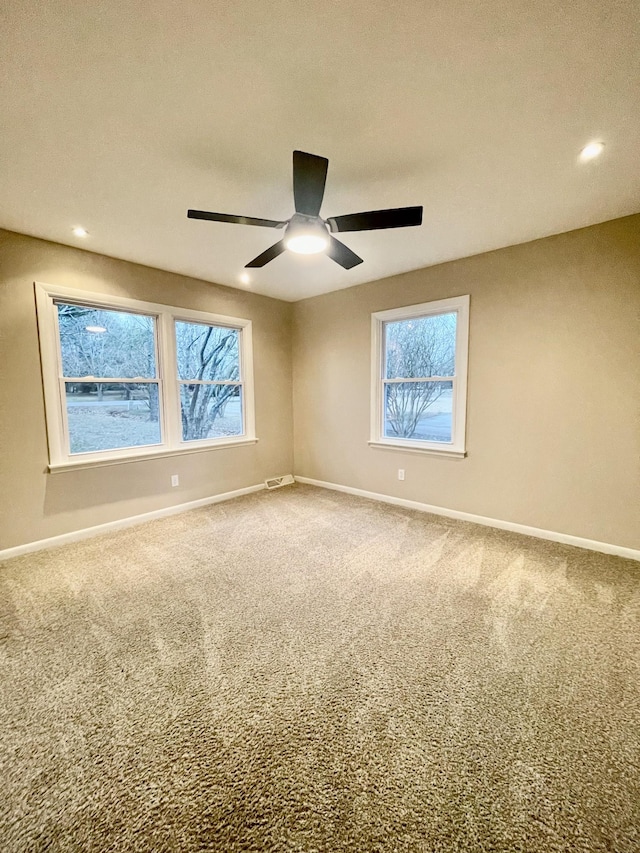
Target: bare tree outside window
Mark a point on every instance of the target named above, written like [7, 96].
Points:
[421, 349]
[210, 382]
[109, 365]
[104, 343]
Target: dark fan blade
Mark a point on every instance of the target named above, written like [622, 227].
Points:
[271, 253]
[372, 220]
[309, 177]
[342, 254]
[238, 220]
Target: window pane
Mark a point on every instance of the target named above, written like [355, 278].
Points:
[101, 343]
[105, 416]
[418, 410]
[420, 347]
[210, 411]
[207, 352]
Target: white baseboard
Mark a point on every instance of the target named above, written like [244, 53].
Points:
[97, 530]
[88, 532]
[539, 533]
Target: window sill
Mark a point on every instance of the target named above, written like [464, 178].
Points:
[414, 448]
[78, 464]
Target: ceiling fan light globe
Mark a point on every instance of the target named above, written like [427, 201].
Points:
[307, 244]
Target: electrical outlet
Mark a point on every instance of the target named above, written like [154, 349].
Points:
[401, 473]
[175, 480]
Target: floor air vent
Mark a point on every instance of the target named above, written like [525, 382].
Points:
[276, 482]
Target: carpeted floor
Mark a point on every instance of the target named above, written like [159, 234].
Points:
[306, 671]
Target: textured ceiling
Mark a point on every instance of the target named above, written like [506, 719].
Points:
[119, 116]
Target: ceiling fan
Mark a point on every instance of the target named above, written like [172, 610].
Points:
[307, 232]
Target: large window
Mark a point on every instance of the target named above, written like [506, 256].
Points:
[126, 379]
[419, 376]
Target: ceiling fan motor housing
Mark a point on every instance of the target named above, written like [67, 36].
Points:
[300, 222]
[306, 234]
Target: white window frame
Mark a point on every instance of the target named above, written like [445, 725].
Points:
[60, 457]
[456, 447]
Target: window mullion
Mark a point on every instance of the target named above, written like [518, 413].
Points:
[210, 382]
[169, 366]
[246, 375]
[382, 359]
[109, 380]
[65, 439]
[454, 399]
[61, 441]
[407, 379]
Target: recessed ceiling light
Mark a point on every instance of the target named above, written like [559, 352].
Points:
[95, 329]
[79, 231]
[591, 151]
[245, 278]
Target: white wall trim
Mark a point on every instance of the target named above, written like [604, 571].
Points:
[131, 521]
[539, 533]
[458, 305]
[166, 376]
[119, 524]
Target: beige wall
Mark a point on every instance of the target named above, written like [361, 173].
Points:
[36, 505]
[553, 429]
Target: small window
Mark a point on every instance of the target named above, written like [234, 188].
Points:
[210, 381]
[109, 375]
[125, 379]
[419, 376]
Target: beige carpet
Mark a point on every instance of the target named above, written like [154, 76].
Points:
[306, 671]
